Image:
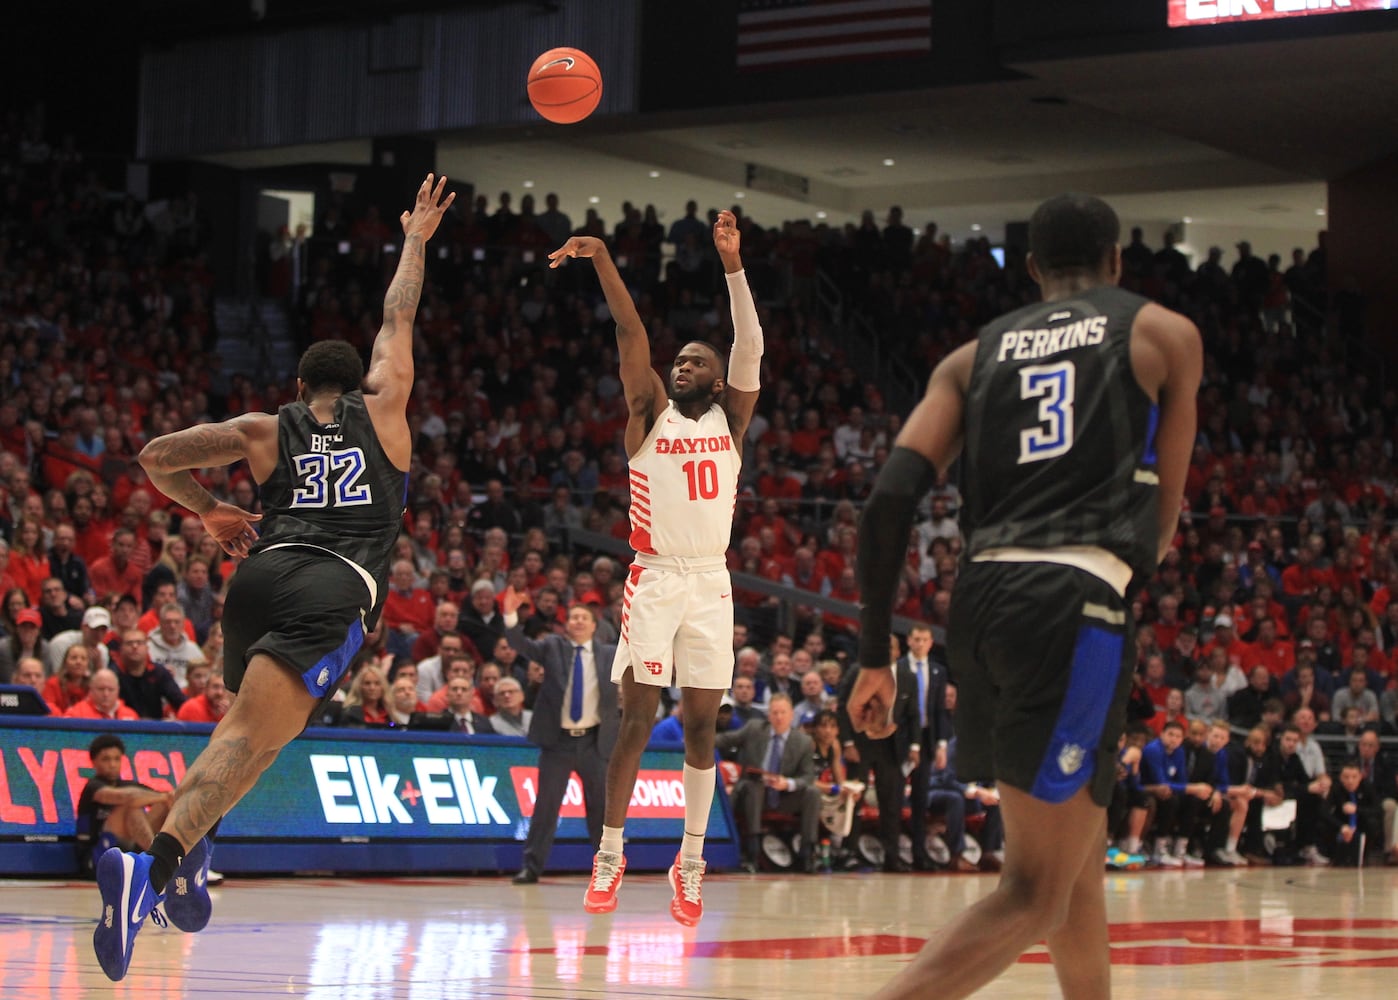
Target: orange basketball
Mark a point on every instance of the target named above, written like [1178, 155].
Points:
[565, 85]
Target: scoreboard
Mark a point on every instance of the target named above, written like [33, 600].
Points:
[1184, 13]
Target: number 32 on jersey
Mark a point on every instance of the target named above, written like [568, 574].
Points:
[1053, 386]
[331, 479]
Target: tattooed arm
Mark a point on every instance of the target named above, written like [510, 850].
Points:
[169, 458]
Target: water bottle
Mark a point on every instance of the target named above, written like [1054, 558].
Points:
[825, 855]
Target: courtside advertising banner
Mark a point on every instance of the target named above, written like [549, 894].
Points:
[461, 803]
[1184, 13]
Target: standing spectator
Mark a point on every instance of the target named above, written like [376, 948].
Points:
[928, 748]
[103, 700]
[168, 646]
[115, 573]
[147, 687]
[113, 811]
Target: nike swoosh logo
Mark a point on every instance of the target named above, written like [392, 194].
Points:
[566, 62]
[201, 878]
[136, 906]
[670, 420]
[722, 596]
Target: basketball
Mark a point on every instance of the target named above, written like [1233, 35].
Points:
[564, 85]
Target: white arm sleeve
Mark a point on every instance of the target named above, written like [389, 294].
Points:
[745, 360]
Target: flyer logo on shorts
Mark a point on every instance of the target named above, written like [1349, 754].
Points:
[655, 667]
[324, 677]
[1070, 758]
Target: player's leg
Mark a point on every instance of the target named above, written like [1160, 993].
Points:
[700, 708]
[1079, 948]
[130, 824]
[639, 703]
[1046, 849]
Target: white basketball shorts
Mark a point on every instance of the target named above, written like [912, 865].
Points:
[677, 623]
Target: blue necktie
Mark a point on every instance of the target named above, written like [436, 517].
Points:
[575, 704]
[774, 766]
[922, 692]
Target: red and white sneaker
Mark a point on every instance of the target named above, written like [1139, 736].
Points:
[607, 869]
[687, 881]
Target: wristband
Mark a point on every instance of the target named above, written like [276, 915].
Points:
[834, 789]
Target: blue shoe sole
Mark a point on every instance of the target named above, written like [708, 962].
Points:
[187, 901]
[119, 875]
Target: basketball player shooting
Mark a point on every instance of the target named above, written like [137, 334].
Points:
[684, 443]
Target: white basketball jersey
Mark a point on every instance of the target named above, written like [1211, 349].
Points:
[684, 484]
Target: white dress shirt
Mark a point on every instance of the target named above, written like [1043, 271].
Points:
[591, 713]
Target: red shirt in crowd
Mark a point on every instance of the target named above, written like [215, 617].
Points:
[414, 609]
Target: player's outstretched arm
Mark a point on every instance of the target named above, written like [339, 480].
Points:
[1180, 353]
[645, 393]
[169, 458]
[389, 381]
[745, 360]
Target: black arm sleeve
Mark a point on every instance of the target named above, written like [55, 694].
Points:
[883, 546]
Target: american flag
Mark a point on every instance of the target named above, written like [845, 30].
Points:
[783, 32]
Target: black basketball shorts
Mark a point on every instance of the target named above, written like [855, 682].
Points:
[1042, 667]
[303, 607]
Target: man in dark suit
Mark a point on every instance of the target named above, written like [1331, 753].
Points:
[931, 728]
[885, 756]
[481, 621]
[1381, 774]
[778, 763]
[575, 725]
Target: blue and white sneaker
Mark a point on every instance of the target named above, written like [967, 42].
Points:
[127, 899]
[187, 902]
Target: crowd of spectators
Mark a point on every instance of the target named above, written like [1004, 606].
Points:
[1280, 596]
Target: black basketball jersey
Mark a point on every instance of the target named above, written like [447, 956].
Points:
[334, 488]
[1060, 437]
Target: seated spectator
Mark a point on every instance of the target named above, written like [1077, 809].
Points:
[147, 687]
[511, 718]
[1245, 707]
[1271, 652]
[211, 704]
[778, 765]
[1357, 695]
[408, 610]
[813, 699]
[1309, 793]
[103, 700]
[170, 646]
[483, 701]
[1351, 820]
[29, 672]
[1179, 803]
[507, 658]
[954, 801]
[57, 613]
[1308, 749]
[743, 693]
[96, 621]
[26, 640]
[671, 728]
[114, 811]
[1306, 695]
[1229, 805]
[463, 720]
[1228, 678]
[150, 621]
[196, 679]
[430, 678]
[457, 665]
[443, 621]
[1202, 700]
[403, 702]
[481, 621]
[197, 596]
[366, 704]
[69, 686]
[839, 796]
[1171, 711]
[116, 573]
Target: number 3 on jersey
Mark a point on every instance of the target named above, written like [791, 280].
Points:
[315, 471]
[1053, 385]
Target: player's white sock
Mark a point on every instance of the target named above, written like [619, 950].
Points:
[1232, 844]
[611, 839]
[698, 799]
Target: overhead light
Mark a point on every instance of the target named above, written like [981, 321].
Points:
[529, 184]
[655, 173]
[822, 215]
[1320, 211]
[975, 227]
[1186, 220]
[739, 194]
[593, 200]
[888, 161]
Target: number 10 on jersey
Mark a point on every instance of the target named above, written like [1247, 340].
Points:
[703, 479]
[1053, 386]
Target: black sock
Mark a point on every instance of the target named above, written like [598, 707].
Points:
[213, 831]
[168, 854]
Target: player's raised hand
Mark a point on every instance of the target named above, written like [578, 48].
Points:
[577, 246]
[427, 210]
[871, 703]
[727, 238]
